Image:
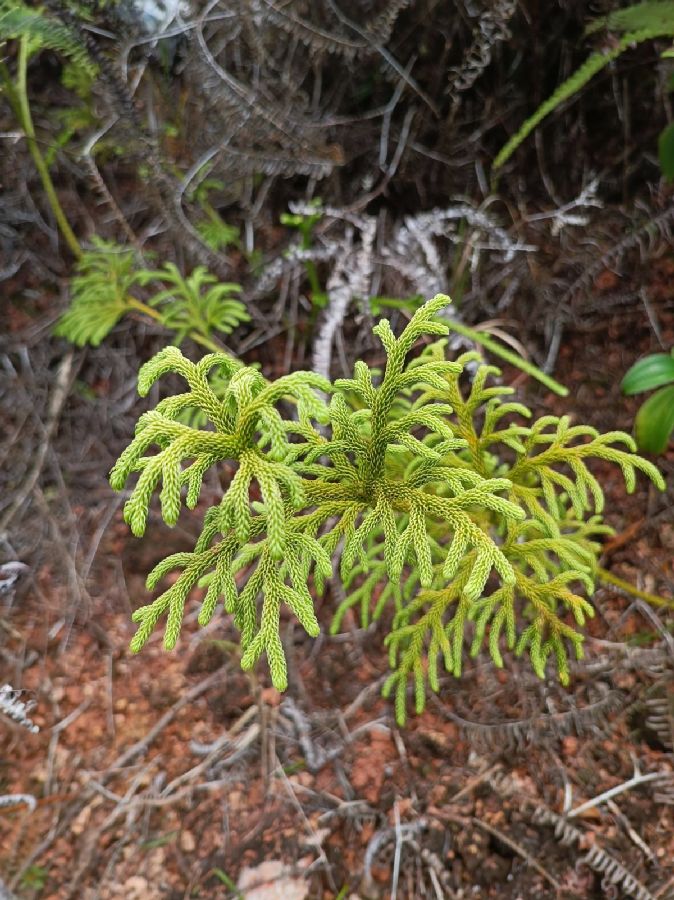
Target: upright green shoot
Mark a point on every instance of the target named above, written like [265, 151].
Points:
[433, 493]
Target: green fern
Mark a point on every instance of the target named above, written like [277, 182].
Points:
[195, 306]
[43, 33]
[638, 23]
[656, 16]
[470, 521]
[100, 293]
[218, 235]
[198, 303]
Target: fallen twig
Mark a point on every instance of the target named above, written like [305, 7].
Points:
[505, 839]
[58, 398]
[628, 785]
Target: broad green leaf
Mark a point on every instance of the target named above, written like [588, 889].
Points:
[655, 421]
[650, 372]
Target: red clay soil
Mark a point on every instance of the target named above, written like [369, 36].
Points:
[336, 799]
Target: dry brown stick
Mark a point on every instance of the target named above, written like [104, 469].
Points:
[106, 195]
[472, 783]
[663, 892]
[58, 398]
[121, 762]
[508, 841]
[223, 743]
[438, 872]
[132, 805]
[620, 540]
[633, 834]
[518, 848]
[85, 857]
[388, 58]
[75, 580]
[369, 691]
[636, 780]
[53, 741]
[142, 745]
[136, 804]
[315, 837]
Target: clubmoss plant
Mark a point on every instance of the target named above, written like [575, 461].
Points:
[438, 496]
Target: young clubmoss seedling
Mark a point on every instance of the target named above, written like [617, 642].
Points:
[433, 491]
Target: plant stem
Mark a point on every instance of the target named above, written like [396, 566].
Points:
[22, 110]
[147, 310]
[206, 342]
[513, 358]
[144, 308]
[653, 599]
[572, 86]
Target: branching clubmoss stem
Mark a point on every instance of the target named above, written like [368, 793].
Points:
[653, 599]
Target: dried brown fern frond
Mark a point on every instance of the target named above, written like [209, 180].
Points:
[326, 34]
[269, 80]
[312, 34]
[541, 727]
[491, 28]
[641, 237]
[614, 872]
[252, 109]
[139, 141]
[381, 25]
[660, 715]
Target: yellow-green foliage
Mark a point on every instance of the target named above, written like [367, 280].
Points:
[19, 20]
[430, 487]
[196, 305]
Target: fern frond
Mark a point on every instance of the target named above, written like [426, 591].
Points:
[520, 732]
[99, 293]
[649, 22]
[655, 16]
[197, 303]
[44, 33]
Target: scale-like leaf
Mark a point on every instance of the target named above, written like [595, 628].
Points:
[404, 473]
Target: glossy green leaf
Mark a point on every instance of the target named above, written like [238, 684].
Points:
[650, 372]
[655, 421]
